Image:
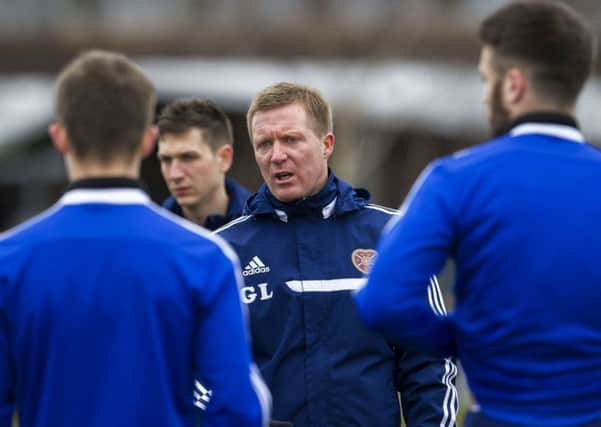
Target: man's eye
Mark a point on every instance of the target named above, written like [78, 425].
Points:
[263, 145]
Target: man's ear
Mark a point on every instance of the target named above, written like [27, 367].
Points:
[515, 86]
[58, 135]
[328, 145]
[149, 141]
[225, 157]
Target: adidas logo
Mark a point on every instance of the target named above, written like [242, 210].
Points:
[255, 266]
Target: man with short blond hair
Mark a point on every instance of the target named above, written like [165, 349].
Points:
[305, 242]
[318, 110]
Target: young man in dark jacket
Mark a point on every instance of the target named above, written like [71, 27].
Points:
[196, 150]
[305, 242]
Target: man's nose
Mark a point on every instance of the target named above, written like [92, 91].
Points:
[279, 152]
[174, 170]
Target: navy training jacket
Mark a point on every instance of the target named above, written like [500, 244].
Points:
[237, 198]
[301, 262]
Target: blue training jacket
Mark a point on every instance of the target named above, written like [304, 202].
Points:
[114, 312]
[237, 198]
[520, 216]
[301, 262]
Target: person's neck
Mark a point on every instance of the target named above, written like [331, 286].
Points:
[530, 106]
[552, 117]
[215, 205]
[79, 170]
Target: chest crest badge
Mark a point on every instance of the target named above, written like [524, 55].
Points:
[363, 259]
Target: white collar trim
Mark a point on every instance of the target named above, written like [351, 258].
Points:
[559, 131]
[283, 216]
[328, 209]
[326, 212]
[113, 196]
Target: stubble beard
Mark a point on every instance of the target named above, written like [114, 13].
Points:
[500, 120]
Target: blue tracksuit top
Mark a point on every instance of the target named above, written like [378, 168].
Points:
[114, 312]
[237, 198]
[520, 216]
[301, 261]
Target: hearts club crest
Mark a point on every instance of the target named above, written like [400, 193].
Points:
[363, 259]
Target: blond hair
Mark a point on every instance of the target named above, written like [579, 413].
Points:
[286, 93]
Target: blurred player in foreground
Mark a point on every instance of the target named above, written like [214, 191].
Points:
[114, 312]
[520, 216]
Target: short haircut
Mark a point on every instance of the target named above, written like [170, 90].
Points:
[549, 39]
[285, 93]
[181, 115]
[106, 103]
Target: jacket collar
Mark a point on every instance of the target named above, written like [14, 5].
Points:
[552, 124]
[109, 190]
[237, 198]
[334, 199]
[106, 182]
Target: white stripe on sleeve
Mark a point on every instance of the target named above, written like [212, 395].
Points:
[262, 393]
[435, 297]
[449, 404]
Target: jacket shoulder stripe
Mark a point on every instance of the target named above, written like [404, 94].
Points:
[226, 249]
[31, 222]
[386, 210]
[232, 223]
[196, 229]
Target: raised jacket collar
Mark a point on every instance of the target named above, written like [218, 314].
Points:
[237, 198]
[334, 199]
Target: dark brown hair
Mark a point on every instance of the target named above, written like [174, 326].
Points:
[548, 39]
[106, 103]
[285, 93]
[181, 115]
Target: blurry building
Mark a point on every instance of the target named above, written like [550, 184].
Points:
[401, 76]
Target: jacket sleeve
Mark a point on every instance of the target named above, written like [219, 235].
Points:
[427, 388]
[395, 300]
[227, 387]
[7, 374]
